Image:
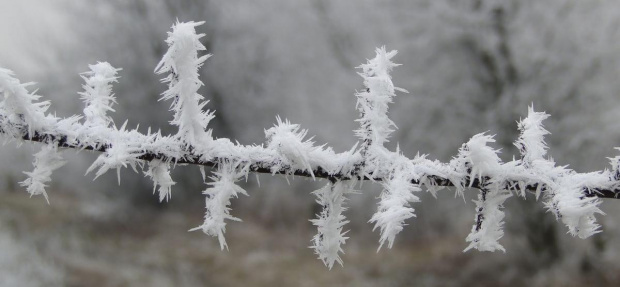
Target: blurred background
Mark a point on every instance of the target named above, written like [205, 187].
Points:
[470, 66]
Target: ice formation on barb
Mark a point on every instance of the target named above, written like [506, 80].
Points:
[19, 105]
[483, 159]
[159, 172]
[394, 207]
[575, 210]
[182, 62]
[375, 125]
[484, 162]
[222, 189]
[121, 153]
[328, 241]
[98, 94]
[572, 197]
[531, 142]
[564, 195]
[288, 140]
[488, 227]
[375, 129]
[46, 161]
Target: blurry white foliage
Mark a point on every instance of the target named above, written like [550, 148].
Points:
[23, 264]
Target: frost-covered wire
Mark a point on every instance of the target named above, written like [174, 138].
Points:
[573, 198]
[288, 140]
[482, 161]
[375, 129]
[564, 196]
[119, 154]
[573, 209]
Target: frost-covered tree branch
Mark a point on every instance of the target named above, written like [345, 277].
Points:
[572, 197]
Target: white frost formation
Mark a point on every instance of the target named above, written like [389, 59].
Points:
[159, 172]
[574, 198]
[98, 94]
[222, 189]
[46, 161]
[20, 105]
[327, 243]
[182, 62]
